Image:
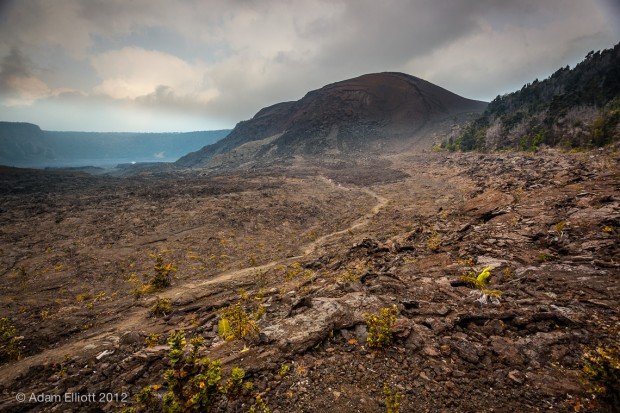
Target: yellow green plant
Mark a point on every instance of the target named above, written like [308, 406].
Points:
[392, 399]
[237, 323]
[161, 278]
[152, 340]
[284, 369]
[380, 326]
[601, 372]
[542, 257]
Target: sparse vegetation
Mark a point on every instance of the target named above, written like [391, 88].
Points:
[380, 327]
[348, 276]
[559, 228]
[83, 297]
[296, 270]
[160, 279]
[9, 341]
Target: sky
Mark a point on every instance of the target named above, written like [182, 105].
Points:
[183, 65]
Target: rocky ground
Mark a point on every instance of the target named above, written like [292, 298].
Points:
[318, 251]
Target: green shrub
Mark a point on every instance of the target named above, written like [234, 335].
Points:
[236, 323]
[601, 372]
[192, 383]
[380, 327]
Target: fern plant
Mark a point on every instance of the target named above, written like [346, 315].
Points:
[480, 281]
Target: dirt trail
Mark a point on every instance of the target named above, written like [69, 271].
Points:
[106, 336]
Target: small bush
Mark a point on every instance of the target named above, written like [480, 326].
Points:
[163, 273]
[380, 327]
[434, 241]
[161, 278]
[162, 307]
[545, 257]
[259, 406]
[83, 297]
[601, 372]
[559, 228]
[192, 383]
[9, 341]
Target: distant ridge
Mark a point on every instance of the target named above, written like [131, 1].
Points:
[344, 117]
[26, 145]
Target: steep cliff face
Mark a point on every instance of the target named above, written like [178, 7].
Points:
[342, 117]
[22, 142]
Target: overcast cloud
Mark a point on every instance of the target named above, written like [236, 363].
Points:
[187, 64]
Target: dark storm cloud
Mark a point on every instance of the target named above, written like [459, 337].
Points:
[227, 59]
